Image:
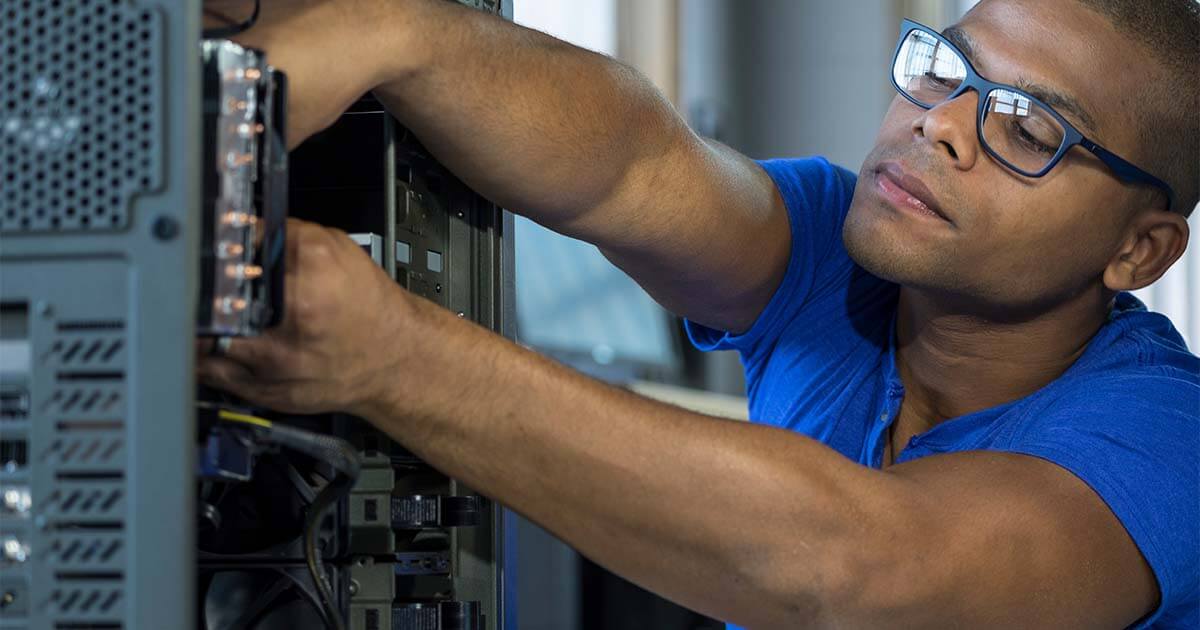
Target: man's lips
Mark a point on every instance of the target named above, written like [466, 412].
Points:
[907, 191]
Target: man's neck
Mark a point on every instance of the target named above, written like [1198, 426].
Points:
[953, 364]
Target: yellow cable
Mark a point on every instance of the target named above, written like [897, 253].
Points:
[234, 416]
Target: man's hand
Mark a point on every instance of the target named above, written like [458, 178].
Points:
[326, 355]
[331, 50]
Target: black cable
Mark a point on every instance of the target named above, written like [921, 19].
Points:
[332, 491]
[225, 32]
[339, 455]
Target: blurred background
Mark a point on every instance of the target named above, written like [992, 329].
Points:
[754, 75]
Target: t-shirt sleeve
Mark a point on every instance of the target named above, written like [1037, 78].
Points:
[1135, 440]
[817, 195]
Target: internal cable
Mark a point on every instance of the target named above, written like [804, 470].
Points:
[342, 457]
[233, 416]
[312, 526]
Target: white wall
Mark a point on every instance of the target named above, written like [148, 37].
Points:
[1177, 294]
[591, 24]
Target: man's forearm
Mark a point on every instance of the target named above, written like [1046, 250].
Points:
[743, 522]
[536, 125]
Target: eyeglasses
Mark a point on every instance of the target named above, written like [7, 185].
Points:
[1014, 127]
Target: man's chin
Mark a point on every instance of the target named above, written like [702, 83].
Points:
[875, 245]
[871, 248]
[897, 260]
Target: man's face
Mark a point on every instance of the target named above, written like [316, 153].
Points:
[1006, 241]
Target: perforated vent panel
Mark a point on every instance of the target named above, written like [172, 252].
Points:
[80, 134]
[83, 445]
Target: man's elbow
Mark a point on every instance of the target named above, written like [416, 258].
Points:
[804, 585]
[842, 595]
[860, 576]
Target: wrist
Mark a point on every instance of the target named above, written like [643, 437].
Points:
[411, 367]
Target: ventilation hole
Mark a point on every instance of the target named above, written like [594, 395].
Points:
[90, 551]
[112, 449]
[110, 500]
[110, 551]
[69, 403]
[70, 501]
[91, 449]
[72, 351]
[86, 604]
[113, 348]
[69, 552]
[69, 452]
[92, 350]
[90, 401]
[69, 602]
[89, 501]
[110, 600]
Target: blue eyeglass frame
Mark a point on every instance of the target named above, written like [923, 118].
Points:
[1122, 168]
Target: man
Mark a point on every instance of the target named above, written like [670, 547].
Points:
[962, 419]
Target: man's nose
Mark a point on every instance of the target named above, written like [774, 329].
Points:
[950, 127]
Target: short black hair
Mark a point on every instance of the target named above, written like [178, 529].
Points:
[1170, 31]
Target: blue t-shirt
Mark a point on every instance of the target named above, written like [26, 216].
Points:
[1125, 418]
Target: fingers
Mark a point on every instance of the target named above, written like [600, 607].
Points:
[256, 355]
[299, 232]
[250, 369]
[244, 351]
[203, 346]
[227, 375]
[272, 354]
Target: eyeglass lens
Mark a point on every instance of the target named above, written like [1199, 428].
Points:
[1015, 128]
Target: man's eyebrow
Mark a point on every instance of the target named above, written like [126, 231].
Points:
[1062, 103]
[963, 42]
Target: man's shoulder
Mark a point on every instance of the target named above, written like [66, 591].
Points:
[1137, 345]
[817, 196]
[1136, 382]
[809, 181]
[1126, 420]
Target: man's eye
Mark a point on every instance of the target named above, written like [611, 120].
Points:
[934, 81]
[1031, 141]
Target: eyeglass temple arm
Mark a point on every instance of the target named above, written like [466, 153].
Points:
[1126, 171]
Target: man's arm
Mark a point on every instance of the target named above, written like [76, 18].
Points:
[762, 526]
[574, 140]
[756, 525]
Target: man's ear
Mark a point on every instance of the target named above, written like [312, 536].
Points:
[1155, 240]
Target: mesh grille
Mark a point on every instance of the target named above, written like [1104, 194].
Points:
[79, 133]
